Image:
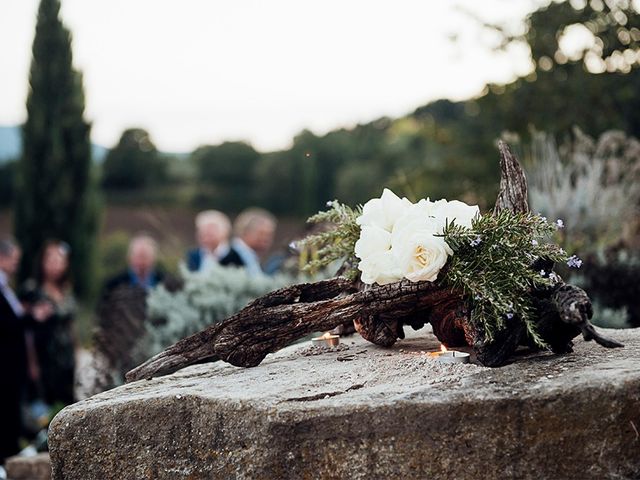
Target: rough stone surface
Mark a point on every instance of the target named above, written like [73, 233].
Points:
[37, 467]
[366, 412]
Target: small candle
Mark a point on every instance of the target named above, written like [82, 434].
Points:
[450, 356]
[454, 356]
[328, 339]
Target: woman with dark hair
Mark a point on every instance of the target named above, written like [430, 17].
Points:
[53, 337]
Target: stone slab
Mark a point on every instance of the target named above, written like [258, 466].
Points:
[366, 412]
[36, 467]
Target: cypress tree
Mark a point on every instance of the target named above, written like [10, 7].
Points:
[55, 192]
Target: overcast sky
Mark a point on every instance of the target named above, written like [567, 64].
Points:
[203, 71]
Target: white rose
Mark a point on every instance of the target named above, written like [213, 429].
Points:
[372, 240]
[380, 268]
[454, 211]
[420, 254]
[417, 218]
[382, 212]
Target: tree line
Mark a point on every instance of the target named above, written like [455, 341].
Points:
[444, 149]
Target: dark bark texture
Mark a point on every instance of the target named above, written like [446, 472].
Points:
[380, 312]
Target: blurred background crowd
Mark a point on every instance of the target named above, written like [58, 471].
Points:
[108, 255]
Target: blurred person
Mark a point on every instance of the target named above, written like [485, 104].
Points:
[254, 231]
[212, 233]
[121, 314]
[14, 317]
[142, 271]
[53, 338]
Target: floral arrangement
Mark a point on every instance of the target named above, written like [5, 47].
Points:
[490, 259]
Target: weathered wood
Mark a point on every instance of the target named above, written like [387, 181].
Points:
[281, 317]
[513, 183]
[562, 312]
[574, 309]
[379, 312]
[444, 308]
[512, 196]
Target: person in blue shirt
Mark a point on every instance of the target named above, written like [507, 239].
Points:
[254, 232]
[212, 232]
[141, 266]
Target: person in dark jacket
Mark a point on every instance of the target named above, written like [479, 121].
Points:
[254, 230]
[212, 233]
[14, 317]
[122, 313]
[53, 337]
[141, 266]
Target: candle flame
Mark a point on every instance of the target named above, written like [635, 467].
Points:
[443, 348]
[326, 335]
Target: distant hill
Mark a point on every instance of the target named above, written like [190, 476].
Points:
[11, 145]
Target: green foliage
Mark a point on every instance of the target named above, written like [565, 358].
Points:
[207, 298]
[613, 24]
[610, 317]
[338, 241]
[492, 265]
[353, 187]
[602, 77]
[55, 194]
[275, 185]
[133, 163]
[492, 262]
[113, 254]
[592, 184]
[225, 175]
[611, 278]
[444, 149]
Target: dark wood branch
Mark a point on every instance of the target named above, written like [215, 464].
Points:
[562, 312]
[574, 309]
[281, 317]
[379, 312]
[513, 183]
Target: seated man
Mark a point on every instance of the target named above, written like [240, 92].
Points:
[254, 229]
[212, 233]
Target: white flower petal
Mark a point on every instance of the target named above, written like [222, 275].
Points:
[380, 268]
[421, 255]
[372, 240]
[384, 211]
[456, 212]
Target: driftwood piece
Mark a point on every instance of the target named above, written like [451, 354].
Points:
[380, 312]
[562, 312]
[513, 183]
[281, 317]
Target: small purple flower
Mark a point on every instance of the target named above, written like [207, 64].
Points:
[476, 241]
[330, 203]
[294, 246]
[574, 262]
[534, 242]
[509, 315]
[544, 219]
[543, 273]
[554, 278]
[559, 223]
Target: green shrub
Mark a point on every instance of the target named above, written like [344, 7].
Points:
[206, 298]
